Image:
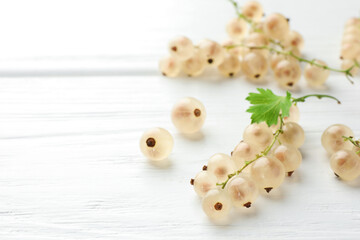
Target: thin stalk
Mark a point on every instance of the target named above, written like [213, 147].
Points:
[262, 154]
[319, 96]
[351, 139]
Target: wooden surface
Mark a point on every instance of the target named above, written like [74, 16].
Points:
[79, 84]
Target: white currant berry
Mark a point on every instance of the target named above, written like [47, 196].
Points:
[268, 173]
[314, 75]
[353, 22]
[181, 48]
[345, 164]
[287, 73]
[156, 144]
[256, 39]
[350, 39]
[258, 134]
[230, 66]
[276, 26]
[294, 40]
[217, 205]
[294, 116]
[188, 115]
[213, 52]
[221, 165]
[292, 134]
[352, 30]
[244, 152]
[195, 65]
[288, 155]
[169, 66]
[203, 182]
[242, 191]
[253, 10]
[332, 138]
[237, 28]
[255, 66]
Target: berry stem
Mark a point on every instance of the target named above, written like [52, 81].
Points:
[319, 96]
[351, 139]
[261, 154]
[347, 72]
[240, 15]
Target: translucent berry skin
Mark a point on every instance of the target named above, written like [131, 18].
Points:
[253, 10]
[181, 48]
[169, 66]
[244, 152]
[275, 58]
[256, 39]
[293, 134]
[332, 138]
[258, 134]
[242, 191]
[204, 181]
[289, 156]
[156, 144]
[294, 40]
[255, 66]
[221, 165]
[287, 73]
[237, 29]
[188, 115]
[216, 204]
[314, 75]
[213, 52]
[276, 26]
[195, 65]
[230, 66]
[345, 164]
[267, 172]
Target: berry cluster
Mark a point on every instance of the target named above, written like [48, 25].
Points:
[259, 162]
[226, 181]
[256, 44]
[350, 45]
[344, 151]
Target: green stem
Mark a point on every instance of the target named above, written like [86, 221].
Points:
[347, 72]
[356, 143]
[319, 96]
[262, 154]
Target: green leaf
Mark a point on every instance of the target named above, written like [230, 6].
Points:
[266, 106]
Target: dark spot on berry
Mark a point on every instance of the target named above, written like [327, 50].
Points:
[336, 174]
[268, 189]
[218, 206]
[290, 84]
[231, 153]
[192, 181]
[197, 112]
[164, 74]
[204, 168]
[288, 19]
[247, 205]
[210, 61]
[150, 142]
[263, 14]
[341, 57]
[290, 173]
[257, 75]
[174, 49]
[231, 74]
[189, 75]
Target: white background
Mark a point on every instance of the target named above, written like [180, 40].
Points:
[78, 86]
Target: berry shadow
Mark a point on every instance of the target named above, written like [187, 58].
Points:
[194, 136]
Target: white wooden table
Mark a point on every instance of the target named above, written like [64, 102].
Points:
[78, 86]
